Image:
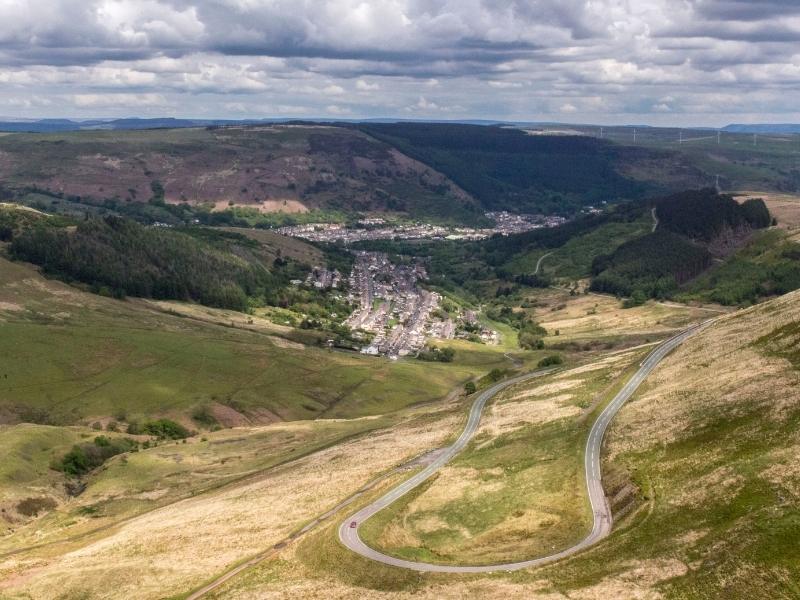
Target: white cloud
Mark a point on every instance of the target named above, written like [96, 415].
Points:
[609, 60]
[333, 90]
[114, 100]
[365, 86]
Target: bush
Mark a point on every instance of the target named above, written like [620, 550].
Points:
[637, 298]
[470, 387]
[202, 415]
[492, 376]
[435, 354]
[530, 341]
[82, 458]
[549, 361]
[166, 429]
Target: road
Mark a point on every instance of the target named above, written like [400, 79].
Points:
[539, 262]
[600, 509]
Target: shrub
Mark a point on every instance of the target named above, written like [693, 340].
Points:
[435, 354]
[548, 361]
[470, 387]
[529, 341]
[202, 415]
[82, 458]
[166, 429]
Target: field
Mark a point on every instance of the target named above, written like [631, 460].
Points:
[272, 491]
[598, 317]
[144, 514]
[75, 357]
[282, 245]
[784, 207]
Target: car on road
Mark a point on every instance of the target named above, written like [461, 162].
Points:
[353, 524]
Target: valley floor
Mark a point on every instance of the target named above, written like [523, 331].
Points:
[700, 467]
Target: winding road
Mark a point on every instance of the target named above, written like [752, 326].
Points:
[539, 262]
[602, 521]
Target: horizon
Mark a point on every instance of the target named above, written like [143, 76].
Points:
[333, 120]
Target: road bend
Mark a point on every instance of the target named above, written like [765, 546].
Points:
[601, 511]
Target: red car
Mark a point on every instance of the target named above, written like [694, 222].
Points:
[352, 524]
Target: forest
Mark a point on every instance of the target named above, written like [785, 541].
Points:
[704, 214]
[508, 169]
[119, 257]
[652, 266]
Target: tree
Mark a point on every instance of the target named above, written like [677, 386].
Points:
[470, 387]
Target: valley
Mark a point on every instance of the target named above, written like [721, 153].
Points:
[399, 300]
[497, 399]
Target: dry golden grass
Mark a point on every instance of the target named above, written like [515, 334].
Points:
[713, 373]
[175, 548]
[529, 510]
[718, 366]
[592, 316]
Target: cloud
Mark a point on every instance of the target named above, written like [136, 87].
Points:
[114, 100]
[364, 86]
[518, 59]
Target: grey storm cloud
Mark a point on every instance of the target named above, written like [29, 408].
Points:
[601, 59]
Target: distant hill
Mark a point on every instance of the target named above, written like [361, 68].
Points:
[288, 168]
[508, 169]
[765, 128]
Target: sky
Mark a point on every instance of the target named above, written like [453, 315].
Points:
[658, 62]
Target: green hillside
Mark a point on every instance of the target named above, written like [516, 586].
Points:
[75, 357]
[508, 169]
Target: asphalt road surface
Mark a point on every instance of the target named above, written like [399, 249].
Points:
[601, 527]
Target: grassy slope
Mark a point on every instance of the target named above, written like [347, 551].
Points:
[142, 481]
[287, 247]
[517, 491]
[711, 445]
[573, 260]
[75, 357]
[754, 271]
[126, 535]
[308, 167]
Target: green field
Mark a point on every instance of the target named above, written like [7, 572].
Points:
[518, 490]
[75, 357]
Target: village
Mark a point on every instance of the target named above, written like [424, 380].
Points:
[379, 229]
